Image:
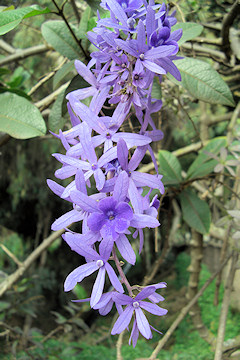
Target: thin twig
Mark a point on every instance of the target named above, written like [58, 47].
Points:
[23, 54]
[119, 345]
[62, 15]
[202, 40]
[6, 47]
[11, 279]
[204, 51]
[225, 306]
[196, 252]
[48, 100]
[121, 272]
[11, 255]
[226, 24]
[232, 123]
[46, 78]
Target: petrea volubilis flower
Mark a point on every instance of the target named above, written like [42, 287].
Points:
[134, 46]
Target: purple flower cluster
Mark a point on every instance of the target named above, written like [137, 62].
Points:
[139, 46]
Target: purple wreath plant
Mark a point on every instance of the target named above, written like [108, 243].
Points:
[139, 47]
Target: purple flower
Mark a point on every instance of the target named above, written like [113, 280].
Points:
[141, 51]
[106, 302]
[96, 262]
[136, 179]
[112, 218]
[134, 307]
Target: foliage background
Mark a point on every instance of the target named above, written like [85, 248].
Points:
[37, 319]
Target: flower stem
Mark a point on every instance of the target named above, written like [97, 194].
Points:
[121, 273]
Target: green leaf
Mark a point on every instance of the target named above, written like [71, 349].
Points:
[57, 34]
[15, 91]
[170, 168]
[196, 212]
[61, 73]
[4, 71]
[56, 121]
[94, 5]
[19, 118]
[11, 18]
[190, 31]
[203, 82]
[83, 25]
[203, 164]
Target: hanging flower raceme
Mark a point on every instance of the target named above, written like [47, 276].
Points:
[100, 155]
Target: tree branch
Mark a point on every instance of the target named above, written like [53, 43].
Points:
[22, 54]
[11, 279]
[227, 22]
[204, 51]
[196, 249]
[61, 14]
[48, 100]
[6, 47]
[46, 78]
[224, 309]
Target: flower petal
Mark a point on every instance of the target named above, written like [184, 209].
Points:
[126, 249]
[67, 219]
[153, 308]
[85, 202]
[121, 187]
[122, 154]
[96, 221]
[123, 321]
[79, 274]
[142, 324]
[113, 278]
[145, 293]
[98, 287]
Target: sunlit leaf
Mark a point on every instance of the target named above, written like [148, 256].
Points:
[190, 31]
[203, 82]
[19, 118]
[11, 18]
[57, 34]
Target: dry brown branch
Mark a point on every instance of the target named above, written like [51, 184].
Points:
[222, 257]
[6, 47]
[232, 123]
[11, 279]
[204, 51]
[227, 23]
[46, 78]
[23, 54]
[203, 40]
[78, 41]
[11, 255]
[224, 309]
[48, 100]
[184, 312]
[119, 345]
[196, 248]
